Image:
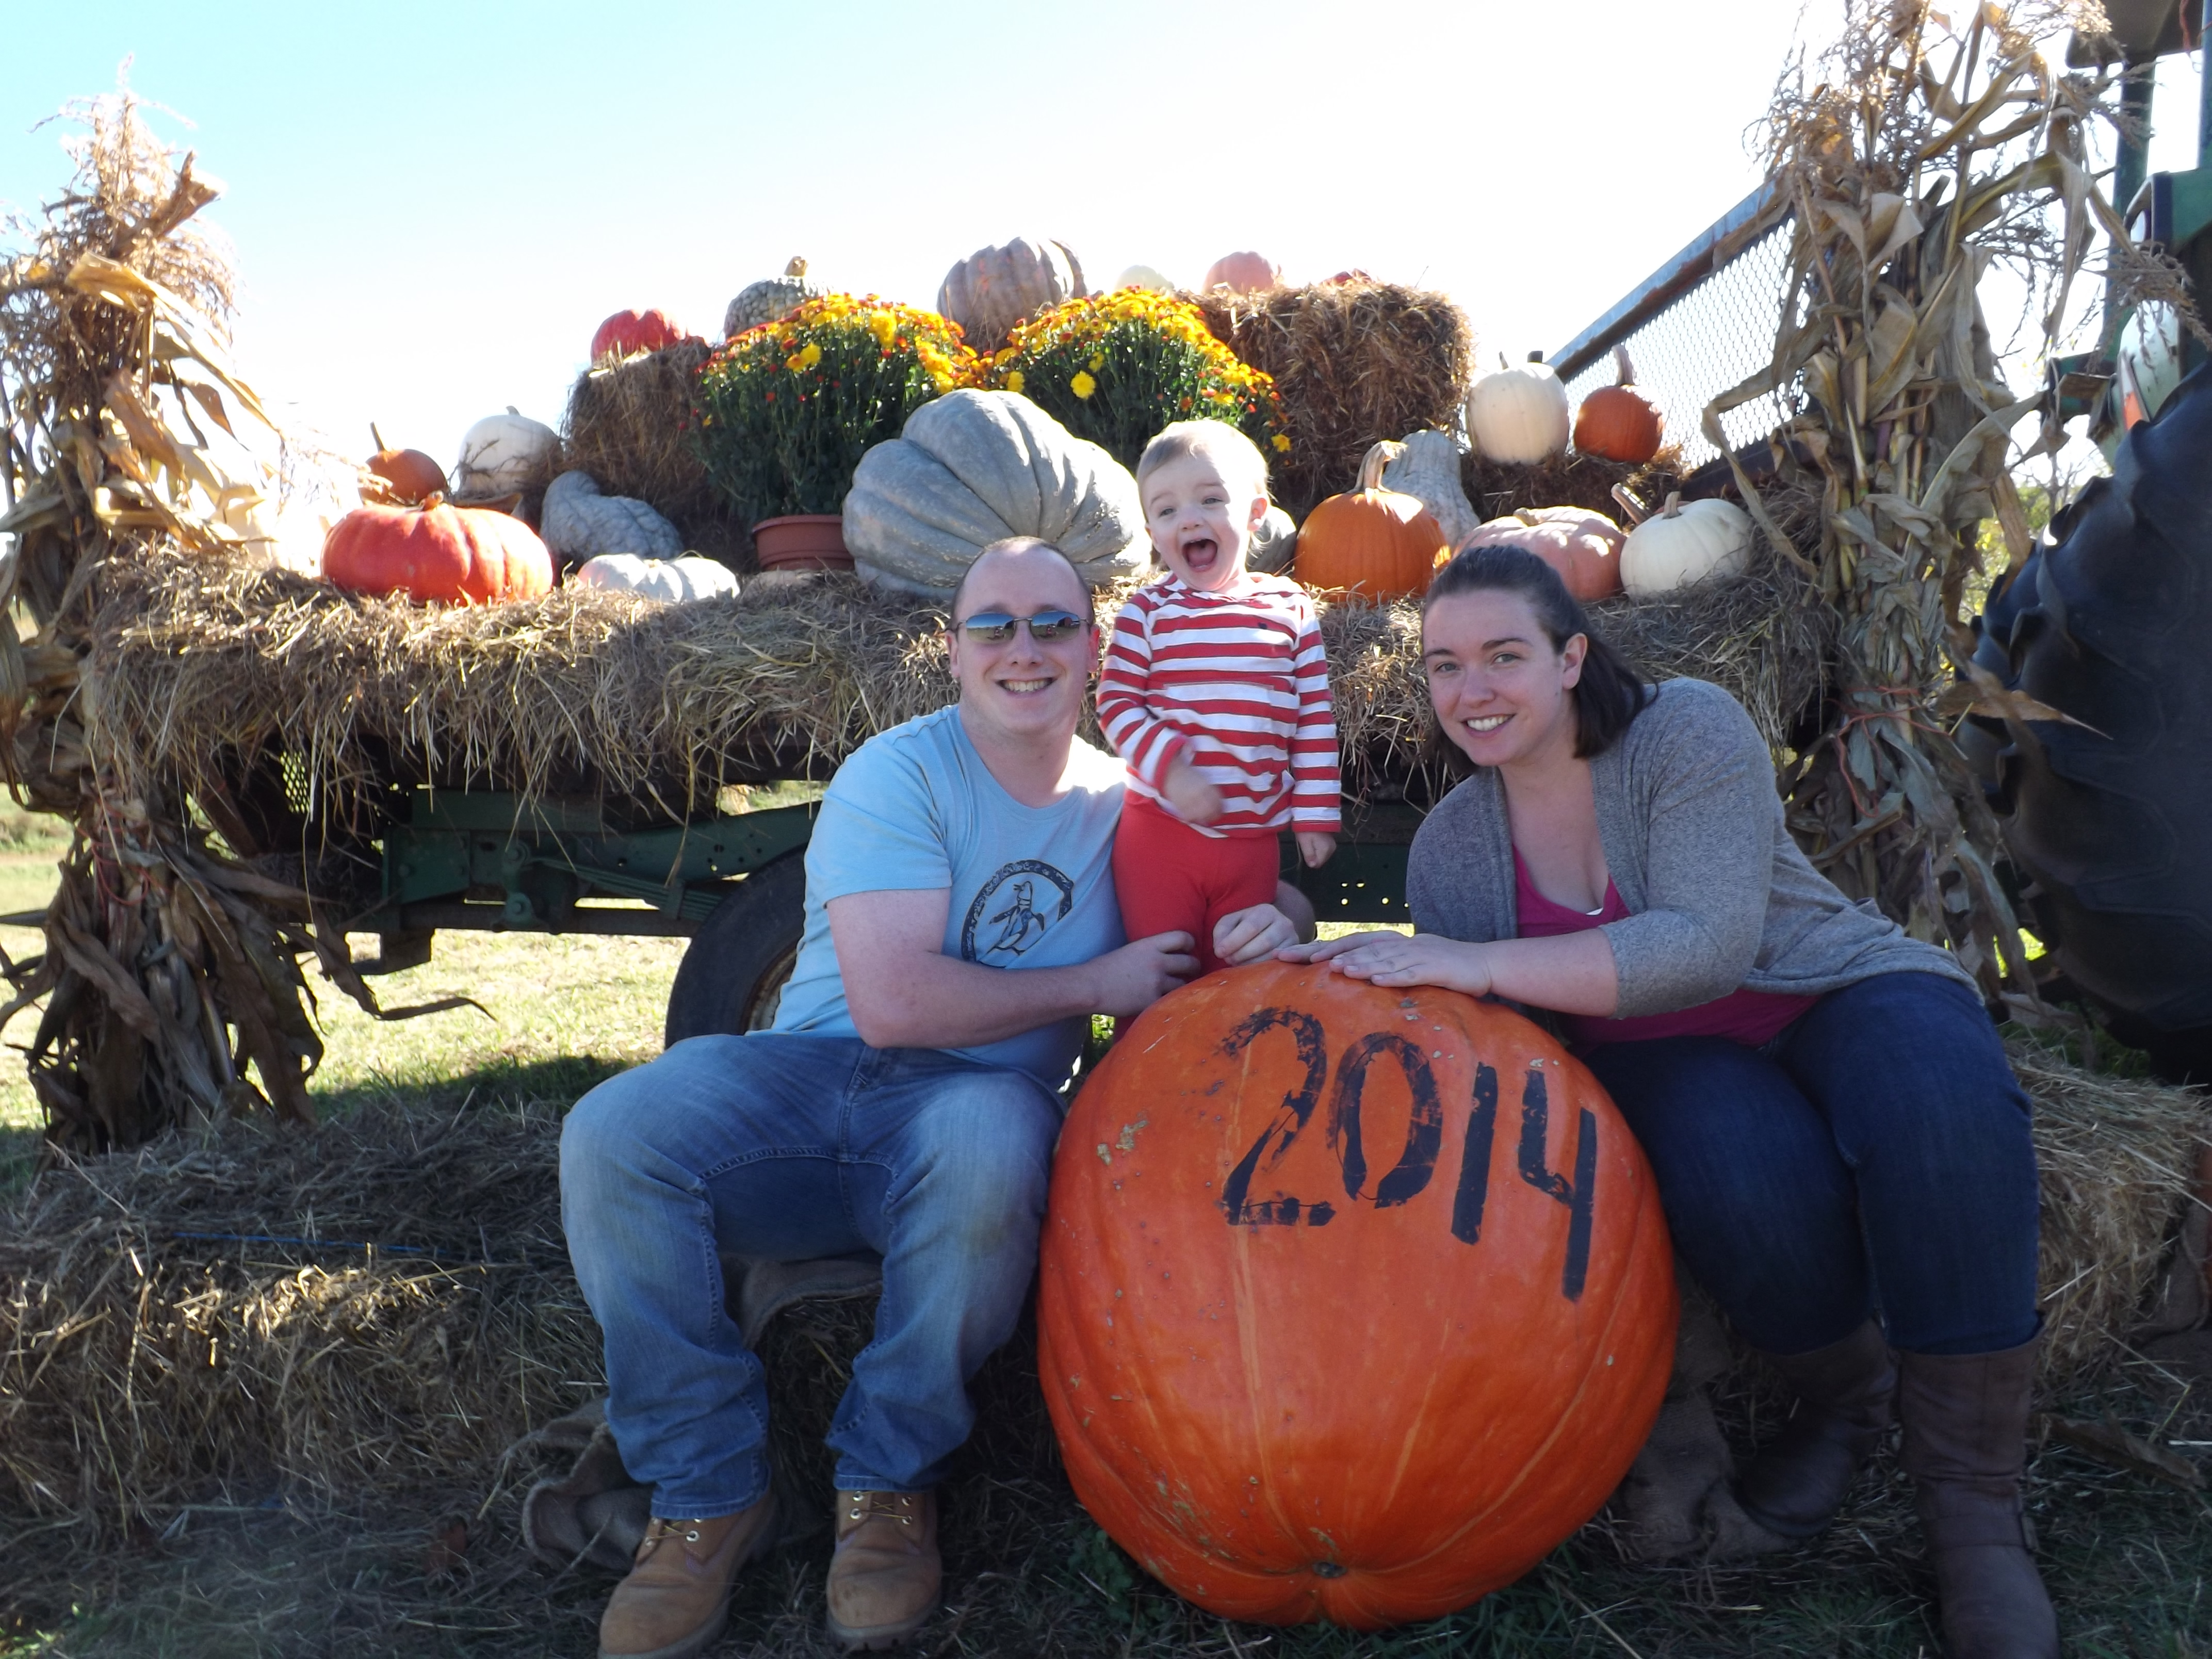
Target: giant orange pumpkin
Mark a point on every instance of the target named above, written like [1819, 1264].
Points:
[1374, 542]
[1620, 422]
[1353, 1302]
[434, 552]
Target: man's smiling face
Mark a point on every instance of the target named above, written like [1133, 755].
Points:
[1022, 688]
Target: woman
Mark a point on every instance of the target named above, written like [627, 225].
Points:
[1829, 1115]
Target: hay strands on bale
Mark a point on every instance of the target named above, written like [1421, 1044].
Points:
[169, 968]
[1353, 361]
[1924, 153]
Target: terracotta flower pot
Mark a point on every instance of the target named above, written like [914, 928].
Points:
[802, 541]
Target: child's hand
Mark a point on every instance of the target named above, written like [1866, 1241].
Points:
[1315, 847]
[1194, 799]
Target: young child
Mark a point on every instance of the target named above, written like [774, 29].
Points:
[1215, 692]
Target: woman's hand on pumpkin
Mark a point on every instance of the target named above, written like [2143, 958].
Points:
[1140, 973]
[1252, 935]
[1396, 959]
[1194, 799]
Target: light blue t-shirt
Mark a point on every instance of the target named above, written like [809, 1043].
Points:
[914, 807]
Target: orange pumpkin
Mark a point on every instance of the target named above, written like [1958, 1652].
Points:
[628, 332]
[1373, 542]
[436, 552]
[1620, 422]
[1582, 546]
[1353, 1302]
[1244, 273]
[401, 474]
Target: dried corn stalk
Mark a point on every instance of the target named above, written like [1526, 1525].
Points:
[1926, 153]
[171, 972]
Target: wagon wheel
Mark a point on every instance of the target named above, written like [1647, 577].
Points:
[732, 975]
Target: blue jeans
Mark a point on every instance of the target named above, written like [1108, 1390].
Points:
[793, 1146]
[1877, 1151]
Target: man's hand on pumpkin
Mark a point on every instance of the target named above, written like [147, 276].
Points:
[1133, 978]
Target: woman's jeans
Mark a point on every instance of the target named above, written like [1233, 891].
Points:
[793, 1146]
[1876, 1153]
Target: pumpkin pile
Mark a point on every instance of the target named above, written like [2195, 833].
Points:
[1352, 1302]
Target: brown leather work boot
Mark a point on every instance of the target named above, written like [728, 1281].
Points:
[677, 1594]
[1966, 1439]
[1845, 1392]
[885, 1576]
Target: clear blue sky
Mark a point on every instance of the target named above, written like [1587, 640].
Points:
[434, 205]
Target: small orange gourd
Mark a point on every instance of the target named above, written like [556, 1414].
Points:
[404, 475]
[1374, 543]
[434, 552]
[1619, 423]
[1352, 1302]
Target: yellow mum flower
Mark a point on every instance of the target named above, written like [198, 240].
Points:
[811, 356]
[941, 381]
[1097, 362]
[1014, 380]
[882, 325]
[1082, 385]
[1281, 440]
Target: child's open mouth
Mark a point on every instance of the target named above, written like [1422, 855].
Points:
[1199, 553]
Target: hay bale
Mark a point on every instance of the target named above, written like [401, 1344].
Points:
[627, 424]
[205, 664]
[145, 1365]
[1569, 479]
[1354, 362]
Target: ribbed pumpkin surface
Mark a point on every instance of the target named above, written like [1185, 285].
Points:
[1353, 1302]
[434, 552]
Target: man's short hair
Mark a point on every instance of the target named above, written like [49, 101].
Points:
[1021, 544]
[1220, 442]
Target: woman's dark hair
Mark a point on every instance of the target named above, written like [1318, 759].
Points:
[1608, 695]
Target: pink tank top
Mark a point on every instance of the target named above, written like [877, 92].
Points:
[1751, 1017]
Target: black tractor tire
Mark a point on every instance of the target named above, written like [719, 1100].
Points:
[734, 971]
[2113, 825]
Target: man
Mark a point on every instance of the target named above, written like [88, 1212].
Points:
[961, 929]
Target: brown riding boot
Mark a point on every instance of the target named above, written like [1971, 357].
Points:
[677, 1593]
[886, 1573]
[1966, 1439]
[1844, 1394]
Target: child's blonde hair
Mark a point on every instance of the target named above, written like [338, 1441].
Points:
[1215, 440]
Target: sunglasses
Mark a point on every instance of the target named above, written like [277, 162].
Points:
[997, 627]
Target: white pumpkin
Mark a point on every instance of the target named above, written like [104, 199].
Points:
[973, 467]
[1426, 467]
[1686, 542]
[1518, 413]
[1273, 545]
[692, 577]
[578, 523]
[503, 454]
[1144, 277]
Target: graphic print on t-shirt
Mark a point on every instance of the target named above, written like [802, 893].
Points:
[1020, 898]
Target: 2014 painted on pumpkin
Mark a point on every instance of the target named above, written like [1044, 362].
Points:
[1411, 1174]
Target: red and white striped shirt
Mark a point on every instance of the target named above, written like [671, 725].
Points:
[1237, 683]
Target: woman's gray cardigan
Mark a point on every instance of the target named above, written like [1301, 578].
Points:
[1718, 894]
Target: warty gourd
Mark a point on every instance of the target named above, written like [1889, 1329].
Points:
[1426, 465]
[579, 523]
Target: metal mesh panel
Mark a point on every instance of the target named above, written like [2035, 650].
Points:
[1707, 339]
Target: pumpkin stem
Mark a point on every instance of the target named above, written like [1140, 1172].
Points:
[1674, 505]
[1502, 363]
[374, 436]
[1625, 371]
[796, 268]
[1371, 465]
[1637, 512]
[436, 498]
[1528, 515]
[1536, 356]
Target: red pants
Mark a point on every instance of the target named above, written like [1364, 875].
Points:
[1171, 879]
